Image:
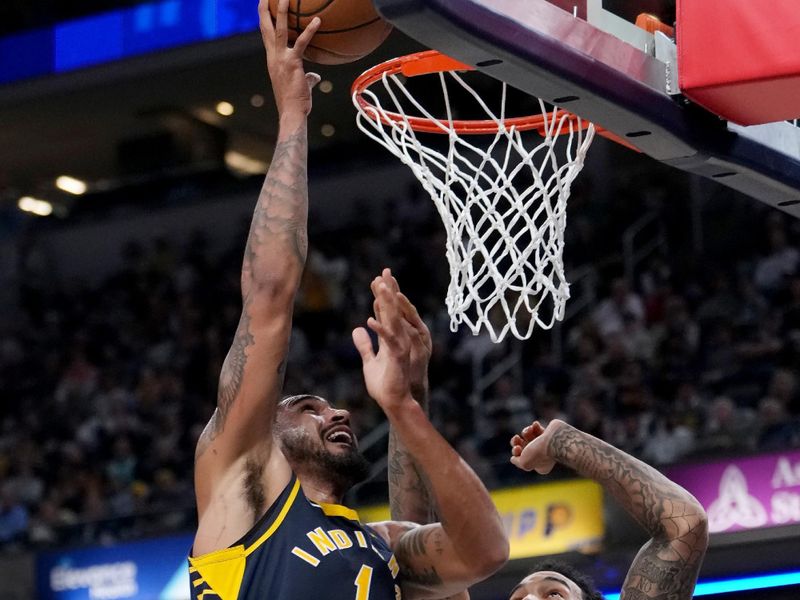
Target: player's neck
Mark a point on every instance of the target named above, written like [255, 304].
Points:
[318, 490]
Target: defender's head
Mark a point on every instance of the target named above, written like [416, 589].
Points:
[317, 441]
[553, 580]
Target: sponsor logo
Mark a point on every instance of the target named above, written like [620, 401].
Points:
[735, 505]
[747, 493]
[103, 582]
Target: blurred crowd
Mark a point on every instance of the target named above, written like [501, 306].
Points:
[106, 387]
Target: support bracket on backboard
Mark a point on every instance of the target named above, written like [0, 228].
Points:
[667, 52]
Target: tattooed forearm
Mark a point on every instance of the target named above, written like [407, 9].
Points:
[659, 505]
[410, 498]
[666, 567]
[659, 573]
[409, 492]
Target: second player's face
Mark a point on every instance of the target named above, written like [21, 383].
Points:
[546, 585]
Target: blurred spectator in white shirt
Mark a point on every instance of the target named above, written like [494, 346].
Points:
[781, 262]
[622, 304]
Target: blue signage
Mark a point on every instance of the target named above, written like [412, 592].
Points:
[148, 570]
[121, 34]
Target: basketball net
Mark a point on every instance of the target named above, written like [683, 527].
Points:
[505, 240]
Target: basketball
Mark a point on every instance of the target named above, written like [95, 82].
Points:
[350, 29]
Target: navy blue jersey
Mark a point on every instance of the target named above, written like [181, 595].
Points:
[300, 550]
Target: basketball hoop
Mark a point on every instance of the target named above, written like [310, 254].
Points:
[503, 203]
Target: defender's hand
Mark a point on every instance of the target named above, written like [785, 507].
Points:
[418, 333]
[291, 84]
[387, 372]
[529, 449]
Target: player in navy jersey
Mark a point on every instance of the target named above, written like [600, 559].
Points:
[269, 474]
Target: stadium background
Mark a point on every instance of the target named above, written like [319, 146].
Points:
[681, 344]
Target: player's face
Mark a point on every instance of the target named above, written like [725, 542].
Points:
[323, 426]
[316, 438]
[546, 585]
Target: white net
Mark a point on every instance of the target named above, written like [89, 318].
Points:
[503, 202]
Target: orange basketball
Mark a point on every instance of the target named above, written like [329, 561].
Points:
[350, 29]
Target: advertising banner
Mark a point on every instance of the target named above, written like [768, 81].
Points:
[745, 493]
[148, 570]
[122, 33]
[542, 519]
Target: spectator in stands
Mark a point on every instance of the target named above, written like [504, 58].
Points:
[776, 429]
[727, 428]
[588, 418]
[791, 310]
[721, 304]
[773, 271]
[668, 440]
[504, 397]
[783, 388]
[494, 447]
[753, 306]
[28, 487]
[13, 517]
[610, 316]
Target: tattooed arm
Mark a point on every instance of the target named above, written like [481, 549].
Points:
[409, 493]
[440, 559]
[236, 471]
[666, 567]
[410, 498]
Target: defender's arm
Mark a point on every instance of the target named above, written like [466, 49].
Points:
[668, 564]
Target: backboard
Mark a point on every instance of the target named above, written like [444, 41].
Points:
[588, 57]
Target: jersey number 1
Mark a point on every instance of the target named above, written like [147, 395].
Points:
[363, 582]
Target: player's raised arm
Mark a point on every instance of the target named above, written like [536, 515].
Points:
[668, 564]
[469, 544]
[252, 374]
[409, 493]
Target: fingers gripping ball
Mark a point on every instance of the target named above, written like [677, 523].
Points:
[350, 29]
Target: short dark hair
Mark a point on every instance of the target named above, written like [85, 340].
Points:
[588, 589]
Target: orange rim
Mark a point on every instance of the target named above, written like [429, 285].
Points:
[433, 61]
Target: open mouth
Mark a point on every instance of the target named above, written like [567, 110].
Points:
[340, 436]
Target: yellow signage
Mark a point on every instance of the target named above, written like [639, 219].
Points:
[541, 519]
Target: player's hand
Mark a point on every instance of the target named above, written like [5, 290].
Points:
[529, 449]
[418, 333]
[291, 84]
[386, 373]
